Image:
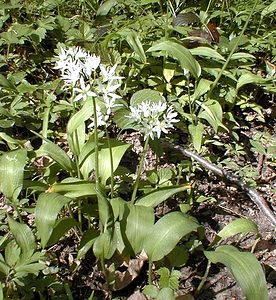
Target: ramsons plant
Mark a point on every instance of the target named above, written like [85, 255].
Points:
[125, 75]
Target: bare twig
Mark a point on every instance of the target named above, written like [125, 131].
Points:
[233, 179]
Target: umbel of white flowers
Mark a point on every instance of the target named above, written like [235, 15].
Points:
[153, 118]
[84, 74]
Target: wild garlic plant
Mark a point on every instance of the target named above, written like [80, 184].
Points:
[86, 78]
[151, 119]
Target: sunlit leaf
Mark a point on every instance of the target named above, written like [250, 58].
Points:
[145, 95]
[47, 208]
[137, 223]
[244, 267]
[76, 139]
[242, 55]
[105, 8]
[166, 233]
[180, 53]
[165, 294]
[207, 52]
[202, 88]
[238, 226]
[269, 9]
[160, 195]
[24, 237]
[81, 116]
[74, 188]
[52, 150]
[118, 149]
[134, 42]
[196, 132]
[249, 78]
[12, 165]
[87, 158]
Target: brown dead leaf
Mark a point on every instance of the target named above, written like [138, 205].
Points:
[137, 296]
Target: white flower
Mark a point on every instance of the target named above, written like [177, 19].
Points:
[153, 118]
[84, 91]
[91, 64]
[109, 73]
[72, 73]
[78, 53]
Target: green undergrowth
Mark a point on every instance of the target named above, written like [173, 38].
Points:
[77, 78]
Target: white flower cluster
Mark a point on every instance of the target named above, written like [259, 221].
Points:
[153, 118]
[87, 77]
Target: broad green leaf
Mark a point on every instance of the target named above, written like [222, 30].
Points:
[242, 55]
[52, 150]
[104, 246]
[151, 291]
[87, 242]
[87, 158]
[196, 132]
[12, 253]
[134, 42]
[162, 194]
[139, 220]
[106, 215]
[180, 53]
[118, 149]
[145, 95]
[61, 227]
[81, 116]
[212, 112]
[169, 279]
[47, 208]
[238, 226]
[74, 188]
[105, 8]
[26, 269]
[4, 82]
[118, 207]
[24, 238]
[206, 51]
[257, 146]
[12, 165]
[76, 139]
[121, 119]
[269, 9]
[249, 78]
[165, 294]
[169, 71]
[202, 88]
[4, 268]
[245, 268]
[166, 233]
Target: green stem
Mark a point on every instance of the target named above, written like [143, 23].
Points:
[189, 99]
[111, 164]
[150, 272]
[203, 280]
[232, 52]
[139, 171]
[208, 7]
[96, 144]
[45, 122]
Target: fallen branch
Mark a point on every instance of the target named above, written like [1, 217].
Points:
[233, 179]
